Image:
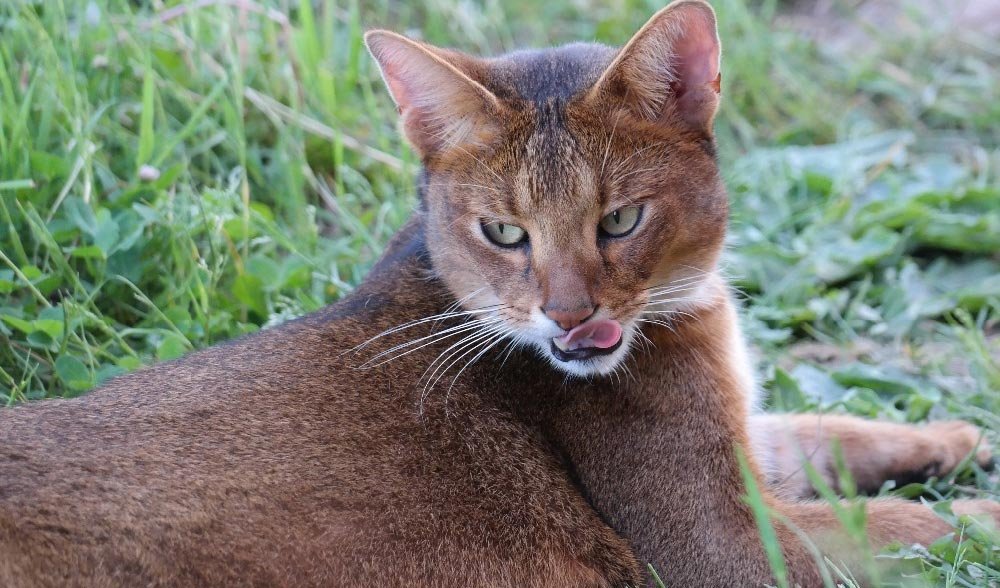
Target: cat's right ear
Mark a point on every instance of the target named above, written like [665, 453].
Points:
[669, 70]
[441, 106]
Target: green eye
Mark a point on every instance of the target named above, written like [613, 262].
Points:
[504, 235]
[620, 222]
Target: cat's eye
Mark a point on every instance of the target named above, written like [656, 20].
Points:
[620, 222]
[504, 235]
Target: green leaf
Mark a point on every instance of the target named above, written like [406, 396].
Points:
[52, 328]
[266, 270]
[106, 235]
[786, 395]
[73, 373]
[88, 252]
[171, 347]
[20, 324]
[7, 281]
[817, 384]
[880, 379]
[107, 372]
[81, 214]
[129, 363]
[249, 290]
[838, 259]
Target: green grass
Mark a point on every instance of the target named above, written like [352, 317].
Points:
[175, 176]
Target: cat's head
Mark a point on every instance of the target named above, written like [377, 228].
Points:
[570, 193]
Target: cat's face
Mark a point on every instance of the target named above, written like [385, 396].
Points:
[567, 196]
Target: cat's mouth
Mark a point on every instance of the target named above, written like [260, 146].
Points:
[591, 339]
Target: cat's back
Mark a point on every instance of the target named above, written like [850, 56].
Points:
[304, 370]
[237, 444]
[300, 462]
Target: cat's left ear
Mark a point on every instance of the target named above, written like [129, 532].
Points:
[669, 69]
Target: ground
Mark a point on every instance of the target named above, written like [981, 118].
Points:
[176, 174]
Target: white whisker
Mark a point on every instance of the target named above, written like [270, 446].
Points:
[463, 347]
[661, 323]
[436, 317]
[434, 338]
[500, 336]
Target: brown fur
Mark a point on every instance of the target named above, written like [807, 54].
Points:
[873, 451]
[300, 456]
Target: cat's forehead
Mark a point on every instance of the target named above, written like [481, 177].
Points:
[552, 170]
[540, 75]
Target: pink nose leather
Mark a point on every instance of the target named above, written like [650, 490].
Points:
[601, 334]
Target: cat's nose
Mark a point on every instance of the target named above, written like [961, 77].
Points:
[567, 319]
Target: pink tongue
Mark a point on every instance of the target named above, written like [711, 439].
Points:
[601, 334]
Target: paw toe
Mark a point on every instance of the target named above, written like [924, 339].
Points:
[962, 438]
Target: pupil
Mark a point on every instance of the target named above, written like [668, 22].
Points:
[500, 228]
[617, 216]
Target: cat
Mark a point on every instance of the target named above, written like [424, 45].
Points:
[542, 382]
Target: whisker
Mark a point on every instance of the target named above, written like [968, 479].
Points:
[458, 303]
[658, 299]
[646, 341]
[678, 282]
[661, 323]
[469, 347]
[658, 293]
[671, 313]
[674, 299]
[492, 343]
[698, 269]
[482, 163]
[454, 348]
[436, 317]
[507, 351]
[435, 337]
[627, 371]
[463, 343]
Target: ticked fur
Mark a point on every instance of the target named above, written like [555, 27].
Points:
[324, 452]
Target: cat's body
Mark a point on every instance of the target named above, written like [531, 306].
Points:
[324, 452]
[273, 461]
[276, 460]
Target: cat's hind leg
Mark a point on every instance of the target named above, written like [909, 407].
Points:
[873, 451]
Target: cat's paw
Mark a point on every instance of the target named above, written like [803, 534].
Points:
[981, 510]
[954, 441]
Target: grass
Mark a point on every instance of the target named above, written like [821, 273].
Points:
[180, 173]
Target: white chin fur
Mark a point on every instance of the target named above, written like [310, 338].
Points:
[601, 365]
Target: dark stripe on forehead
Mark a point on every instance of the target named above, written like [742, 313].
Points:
[559, 72]
[552, 160]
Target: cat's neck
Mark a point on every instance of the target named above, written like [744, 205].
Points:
[661, 444]
[657, 443]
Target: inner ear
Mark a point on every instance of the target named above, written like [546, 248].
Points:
[669, 69]
[441, 106]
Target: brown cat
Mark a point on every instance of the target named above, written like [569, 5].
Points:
[541, 383]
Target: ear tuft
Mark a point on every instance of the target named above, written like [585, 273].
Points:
[441, 106]
[670, 67]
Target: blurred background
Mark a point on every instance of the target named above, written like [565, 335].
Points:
[175, 174]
